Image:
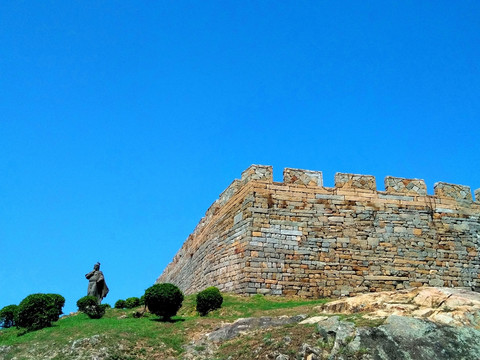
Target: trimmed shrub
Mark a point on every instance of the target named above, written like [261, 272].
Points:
[120, 304]
[86, 301]
[38, 311]
[57, 302]
[208, 300]
[163, 300]
[89, 305]
[132, 302]
[7, 316]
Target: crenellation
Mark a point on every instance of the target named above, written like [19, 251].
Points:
[257, 172]
[300, 238]
[355, 181]
[405, 186]
[302, 177]
[453, 191]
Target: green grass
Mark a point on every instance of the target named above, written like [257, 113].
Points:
[236, 306]
[145, 336]
[360, 320]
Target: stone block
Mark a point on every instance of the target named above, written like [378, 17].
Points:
[405, 186]
[385, 278]
[396, 197]
[302, 177]
[355, 181]
[330, 197]
[417, 232]
[477, 195]
[453, 191]
[257, 172]
[436, 282]
[237, 218]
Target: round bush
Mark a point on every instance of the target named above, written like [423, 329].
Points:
[208, 300]
[57, 302]
[142, 300]
[96, 312]
[7, 316]
[37, 311]
[163, 300]
[89, 305]
[85, 302]
[132, 302]
[120, 304]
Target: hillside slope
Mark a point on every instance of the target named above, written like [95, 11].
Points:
[426, 323]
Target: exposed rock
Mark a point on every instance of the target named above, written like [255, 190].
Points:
[4, 349]
[199, 350]
[410, 338]
[86, 348]
[309, 352]
[452, 306]
[399, 338]
[229, 331]
[313, 320]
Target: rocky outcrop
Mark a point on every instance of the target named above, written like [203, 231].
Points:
[399, 338]
[418, 324]
[449, 306]
[240, 326]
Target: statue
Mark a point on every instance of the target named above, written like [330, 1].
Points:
[96, 283]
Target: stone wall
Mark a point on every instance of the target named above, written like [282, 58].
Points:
[300, 238]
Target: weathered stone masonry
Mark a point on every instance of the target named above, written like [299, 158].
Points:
[300, 238]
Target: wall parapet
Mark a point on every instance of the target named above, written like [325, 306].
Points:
[393, 185]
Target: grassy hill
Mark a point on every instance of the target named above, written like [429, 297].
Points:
[119, 335]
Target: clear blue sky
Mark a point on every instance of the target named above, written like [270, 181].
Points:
[121, 123]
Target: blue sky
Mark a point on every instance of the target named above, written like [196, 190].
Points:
[121, 123]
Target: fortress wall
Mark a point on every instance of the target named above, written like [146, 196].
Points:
[300, 238]
[213, 254]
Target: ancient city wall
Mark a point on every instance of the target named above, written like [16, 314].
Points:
[300, 238]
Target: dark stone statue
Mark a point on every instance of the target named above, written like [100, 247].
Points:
[96, 283]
